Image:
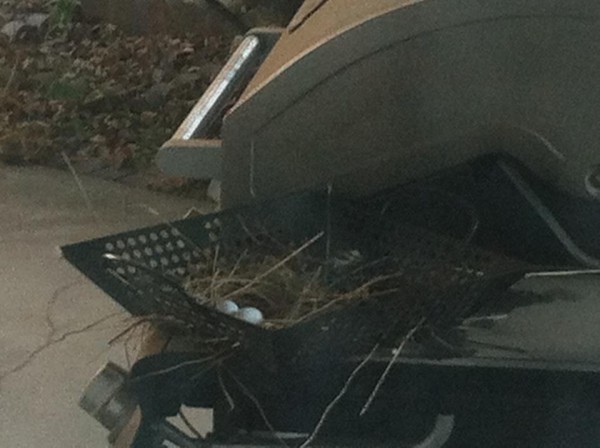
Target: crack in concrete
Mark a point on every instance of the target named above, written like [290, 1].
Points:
[49, 343]
[50, 305]
[52, 338]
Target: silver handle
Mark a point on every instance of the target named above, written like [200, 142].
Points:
[216, 96]
[187, 153]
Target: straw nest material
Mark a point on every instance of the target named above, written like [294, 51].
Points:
[288, 283]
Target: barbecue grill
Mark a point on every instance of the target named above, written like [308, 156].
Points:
[454, 139]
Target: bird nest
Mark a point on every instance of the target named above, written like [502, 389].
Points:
[275, 284]
[286, 283]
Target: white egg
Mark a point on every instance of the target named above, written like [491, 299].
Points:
[228, 307]
[251, 315]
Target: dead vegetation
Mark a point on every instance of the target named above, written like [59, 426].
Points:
[288, 283]
[97, 94]
[106, 99]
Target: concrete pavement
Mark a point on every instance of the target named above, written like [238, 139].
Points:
[54, 324]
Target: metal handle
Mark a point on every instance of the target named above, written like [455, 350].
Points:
[216, 96]
[187, 153]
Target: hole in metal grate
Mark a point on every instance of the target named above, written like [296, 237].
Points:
[164, 261]
[164, 234]
[137, 253]
[142, 239]
[131, 269]
[131, 242]
[169, 246]
[180, 244]
[158, 249]
[154, 236]
[175, 258]
[153, 264]
[126, 256]
[148, 251]
[109, 247]
[120, 244]
[120, 271]
[187, 256]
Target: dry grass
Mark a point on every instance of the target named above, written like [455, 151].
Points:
[286, 282]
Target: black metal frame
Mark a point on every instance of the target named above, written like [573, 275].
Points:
[511, 218]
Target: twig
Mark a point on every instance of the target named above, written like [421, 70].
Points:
[388, 368]
[320, 309]
[133, 343]
[361, 290]
[11, 77]
[568, 273]
[175, 367]
[247, 230]
[328, 241]
[338, 397]
[251, 175]
[237, 264]
[151, 319]
[82, 189]
[359, 269]
[365, 286]
[440, 340]
[216, 260]
[191, 212]
[133, 326]
[298, 305]
[228, 396]
[236, 281]
[273, 268]
[385, 292]
[127, 348]
[258, 406]
[210, 292]
[189, 425]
